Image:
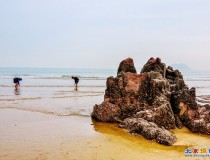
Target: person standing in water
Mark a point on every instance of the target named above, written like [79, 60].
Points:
[76, 80]
[17, 80]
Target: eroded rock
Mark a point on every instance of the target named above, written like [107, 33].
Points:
[149, 130]
[106, 112]
[126, 65]
[151, 102]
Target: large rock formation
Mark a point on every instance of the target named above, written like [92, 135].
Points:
[152, 101]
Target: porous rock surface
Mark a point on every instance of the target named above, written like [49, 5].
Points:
[152, 102]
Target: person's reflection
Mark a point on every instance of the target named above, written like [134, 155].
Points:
[17, 91]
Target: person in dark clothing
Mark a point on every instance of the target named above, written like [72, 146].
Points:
[17, 80]
[76, 80]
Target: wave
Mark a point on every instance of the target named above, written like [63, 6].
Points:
[91, 95]
[79, 92]
[20, 99]
[49, 112]
[202, 87]
[82, 77]
[203, 100]
[197, 79]
[64, 77]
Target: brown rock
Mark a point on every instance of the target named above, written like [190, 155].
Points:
[126, 65]
[151, 102]
[199, 126]
[154, 65]
[149, 130]
[139, 92]
[106, 112]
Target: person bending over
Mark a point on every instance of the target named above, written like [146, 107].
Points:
[17, 80]
[76, 80]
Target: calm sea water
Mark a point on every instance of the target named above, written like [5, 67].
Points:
[52, 91]
[54, 77]
[56, 72]
[61, 77]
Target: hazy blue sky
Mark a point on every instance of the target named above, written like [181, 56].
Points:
[100, 33]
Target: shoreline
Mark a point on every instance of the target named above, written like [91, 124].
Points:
[30, 135]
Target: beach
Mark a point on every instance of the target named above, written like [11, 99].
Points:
[47, 119]
[29, 136]
[104, 80]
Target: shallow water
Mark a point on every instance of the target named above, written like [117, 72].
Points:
[52, 95]
[53, 100]
[57, 95]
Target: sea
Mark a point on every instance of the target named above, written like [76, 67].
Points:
[52, 91]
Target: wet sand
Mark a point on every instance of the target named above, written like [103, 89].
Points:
[52, 122]
[27, 135]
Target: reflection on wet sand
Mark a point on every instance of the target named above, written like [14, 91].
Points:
[186, 139]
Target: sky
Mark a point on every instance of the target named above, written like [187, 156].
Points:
[101, 33]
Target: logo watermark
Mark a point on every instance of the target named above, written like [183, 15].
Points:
[199, 153]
